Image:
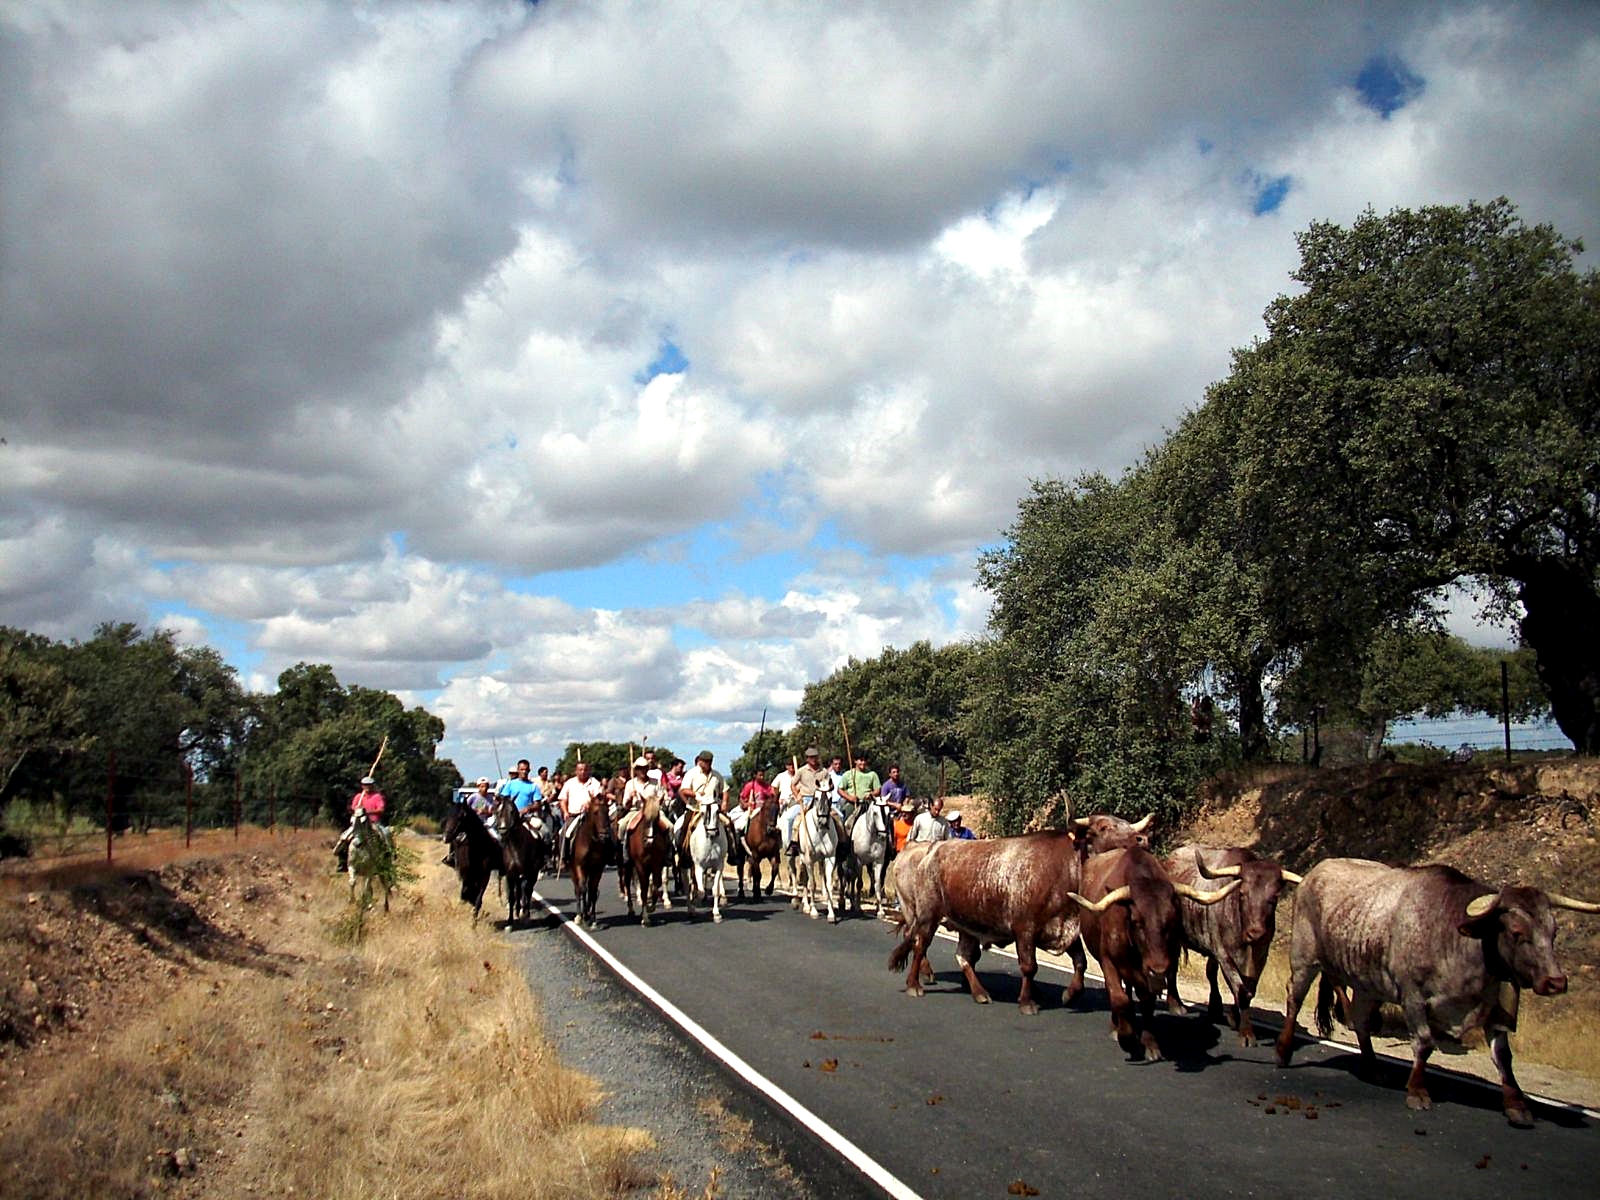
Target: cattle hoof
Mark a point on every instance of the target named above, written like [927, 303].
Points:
[1520, 1117]
[645, 920]
[813, 914]
[716, 918]
[1247, 1038]
[980, 997]
[1420, 1101]
[1028, 1009]
[914, 990]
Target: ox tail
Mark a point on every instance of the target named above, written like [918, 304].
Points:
[901, 954]
[1325, 997]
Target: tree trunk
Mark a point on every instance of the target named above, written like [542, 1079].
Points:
[1252, 713]
[1563, 617]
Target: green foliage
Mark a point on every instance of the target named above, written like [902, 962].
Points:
[605, 759]
[905, 707]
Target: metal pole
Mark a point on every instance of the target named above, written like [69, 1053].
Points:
[1505, 704]
[238, 786]
[111, 792]
[272, 809]
[188, 804]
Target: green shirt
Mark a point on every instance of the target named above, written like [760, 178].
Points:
[860, 785]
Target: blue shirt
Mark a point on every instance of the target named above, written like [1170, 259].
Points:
[524, 792]
[894, 793]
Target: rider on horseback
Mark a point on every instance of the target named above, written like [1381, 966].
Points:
[702, 790]
[860, 788]
[636, 797]
[368, 801]
[577, 794]
[810, 781]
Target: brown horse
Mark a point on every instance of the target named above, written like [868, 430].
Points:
[594, 844]
[649, 850]
[761, 841]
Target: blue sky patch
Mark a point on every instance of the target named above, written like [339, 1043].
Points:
[1385, 84]
[669, 360]
[1269, 194]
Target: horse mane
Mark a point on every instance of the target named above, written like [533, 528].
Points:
[652, 807]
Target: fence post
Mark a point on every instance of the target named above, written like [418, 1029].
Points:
[238, 785]
[111, 795]
[1505, 705]
[272, 809]
[188, 804]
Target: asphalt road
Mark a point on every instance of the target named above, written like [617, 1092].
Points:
[959, 1100]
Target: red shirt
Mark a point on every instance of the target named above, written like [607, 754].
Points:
[754, 795]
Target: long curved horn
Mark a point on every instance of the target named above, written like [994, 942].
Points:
[1143, 823]
[1114, 896]
[1080, 822]
[1480, 905]
[1559, 901]
[1199, 897]
[1206, 872]
[1290, 876]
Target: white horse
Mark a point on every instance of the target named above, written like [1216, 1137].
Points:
[369, 859]
[870, 841]
[708, 851]
[819, 849]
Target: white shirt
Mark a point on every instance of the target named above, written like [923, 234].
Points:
[928, 828]
[785, 785]
[639, 791]
[575, 794]
[705, 786]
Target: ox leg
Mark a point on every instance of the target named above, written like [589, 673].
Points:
[1300, 978]
[1174, 1000]
[1080, 964]
[968, 948]
[1147, 1012]
[1121, 1006]
[1215, 1013]
[1244, 992]
[1029, 965]
[1422, 1048]
[1515, 1102]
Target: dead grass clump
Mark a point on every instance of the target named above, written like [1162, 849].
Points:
[436, 1080]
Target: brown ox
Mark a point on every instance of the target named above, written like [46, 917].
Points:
[1451, 951]
[1234, 935]
[1129, 911]
[996, 891]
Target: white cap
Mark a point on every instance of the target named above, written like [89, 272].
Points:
[955, 816]
[641, 761]
[368, 779]
[483, 779]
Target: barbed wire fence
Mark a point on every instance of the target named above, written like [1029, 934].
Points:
[95, 803]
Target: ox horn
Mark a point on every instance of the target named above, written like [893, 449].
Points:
[1480, 905]
[1114, 896]
[1143, 823]
[1290, 876]
[1199, 897]
[1559, 901]
[1206, 872]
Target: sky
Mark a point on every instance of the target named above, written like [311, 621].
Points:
[612, 370]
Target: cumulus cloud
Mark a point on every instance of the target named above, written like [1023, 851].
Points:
[379, 335]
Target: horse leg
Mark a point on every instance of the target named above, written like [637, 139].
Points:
[829, 868]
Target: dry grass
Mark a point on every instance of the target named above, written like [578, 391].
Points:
[413, 1065]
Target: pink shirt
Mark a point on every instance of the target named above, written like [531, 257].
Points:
[371, 801]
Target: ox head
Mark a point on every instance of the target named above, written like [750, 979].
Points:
[1260, 885]
[1518, 930]
[1100, 832]
[1146, 908]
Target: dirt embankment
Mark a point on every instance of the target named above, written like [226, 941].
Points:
[197, 1028]
[1534, 824]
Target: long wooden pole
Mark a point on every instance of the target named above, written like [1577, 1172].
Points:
[849, 757]
[382, 746]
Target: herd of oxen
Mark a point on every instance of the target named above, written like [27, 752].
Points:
[1453, 953]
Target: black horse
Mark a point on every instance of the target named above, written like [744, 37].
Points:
[475, 852]
[524, 856]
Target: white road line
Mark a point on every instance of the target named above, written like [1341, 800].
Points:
[1267, 1017]
[808, 1120]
